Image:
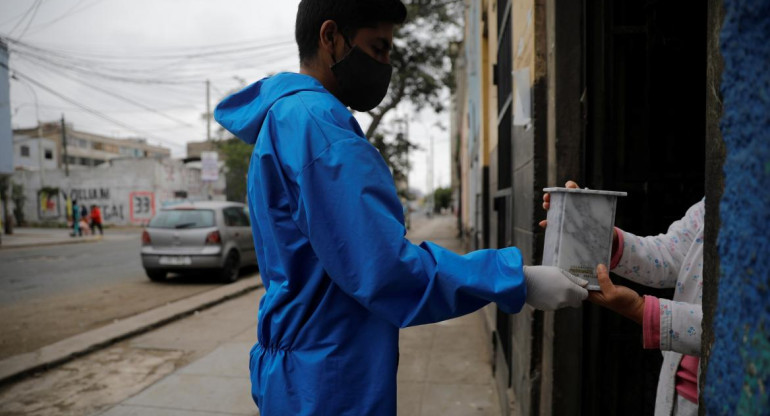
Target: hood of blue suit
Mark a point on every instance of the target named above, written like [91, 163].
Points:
[243, 113]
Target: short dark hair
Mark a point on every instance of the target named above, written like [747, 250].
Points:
[350, 15]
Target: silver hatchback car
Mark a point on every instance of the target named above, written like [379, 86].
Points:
[199, 235]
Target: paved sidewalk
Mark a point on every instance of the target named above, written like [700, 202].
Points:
[65, 350]
[35, 237]
[444, 368]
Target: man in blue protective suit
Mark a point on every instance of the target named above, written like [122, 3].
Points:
[340, 277]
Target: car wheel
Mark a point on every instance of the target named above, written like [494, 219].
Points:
[229, 272]
[156, 275]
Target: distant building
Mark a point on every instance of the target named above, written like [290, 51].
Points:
[82, 149]
[194, 149]
[29, 153]
[129, 192]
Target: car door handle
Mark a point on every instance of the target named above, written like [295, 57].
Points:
[237, 234]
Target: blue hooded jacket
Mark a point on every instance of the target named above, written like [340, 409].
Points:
[340, 277]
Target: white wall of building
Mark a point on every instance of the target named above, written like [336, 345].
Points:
[128, 192]
[29, 153]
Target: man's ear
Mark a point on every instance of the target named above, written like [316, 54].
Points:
[326, 37]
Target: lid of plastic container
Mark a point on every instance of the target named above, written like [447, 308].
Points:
[585, 191]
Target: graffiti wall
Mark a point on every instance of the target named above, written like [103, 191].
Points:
[127, 192]
[113, 211]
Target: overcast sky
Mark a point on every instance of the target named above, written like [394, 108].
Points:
[138, 68]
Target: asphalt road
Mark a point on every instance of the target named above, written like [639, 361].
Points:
[30, 273]
[50, 293]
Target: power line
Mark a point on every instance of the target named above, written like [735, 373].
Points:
[66, 14]
[201, 70]
[31, 19]
[13, 18]
[91, 110]
[34, 6]
[130, 101]
[186, 77]
[201, 53]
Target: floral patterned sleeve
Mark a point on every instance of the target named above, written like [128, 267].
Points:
[680, 327]
[655, 261]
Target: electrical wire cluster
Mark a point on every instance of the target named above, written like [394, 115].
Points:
[166, 85]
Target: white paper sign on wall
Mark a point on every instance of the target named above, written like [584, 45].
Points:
[210, 166]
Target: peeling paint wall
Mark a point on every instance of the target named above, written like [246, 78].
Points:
[738, 375]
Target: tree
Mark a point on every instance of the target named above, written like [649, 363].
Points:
[422, 63]
[396, 155]
[5, 181]
[442, 198]
[236, 155]
[422, 60]
[18, 198]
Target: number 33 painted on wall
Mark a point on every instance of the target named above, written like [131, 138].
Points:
[142, 206]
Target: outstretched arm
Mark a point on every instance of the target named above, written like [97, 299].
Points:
[655, 261]
[666, 325]
[354, 221]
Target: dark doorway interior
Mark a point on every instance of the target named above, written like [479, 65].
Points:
[645, 77]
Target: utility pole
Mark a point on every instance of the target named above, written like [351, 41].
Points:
[40, 151]
[431, 194]
[408, 164]
[64, 144]
[208, 110]
[403, 123]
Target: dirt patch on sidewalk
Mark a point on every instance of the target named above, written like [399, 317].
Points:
[31, 325]
[91, 384]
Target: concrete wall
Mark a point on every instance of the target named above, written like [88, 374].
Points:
[738, 375]
[129, 192]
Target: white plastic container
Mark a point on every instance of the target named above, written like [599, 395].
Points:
[579, 233]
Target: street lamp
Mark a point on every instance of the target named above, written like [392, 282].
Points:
[40, 149]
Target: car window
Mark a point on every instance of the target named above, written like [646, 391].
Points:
[247, 216]
[234, 217]
[183, 218]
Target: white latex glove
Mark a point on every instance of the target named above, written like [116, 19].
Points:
[550, 288]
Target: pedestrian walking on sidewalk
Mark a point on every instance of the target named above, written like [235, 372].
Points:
[76, 230]
[340, 277]
[96, 219]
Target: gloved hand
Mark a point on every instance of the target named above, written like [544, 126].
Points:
[550, 288]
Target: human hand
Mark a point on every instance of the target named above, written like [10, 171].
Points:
[547, 200]
[550, 288]
[617, 298]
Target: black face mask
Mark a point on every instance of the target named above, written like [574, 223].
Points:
[363, 80]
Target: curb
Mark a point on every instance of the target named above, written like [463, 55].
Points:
[18, 366]
[79, 240]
